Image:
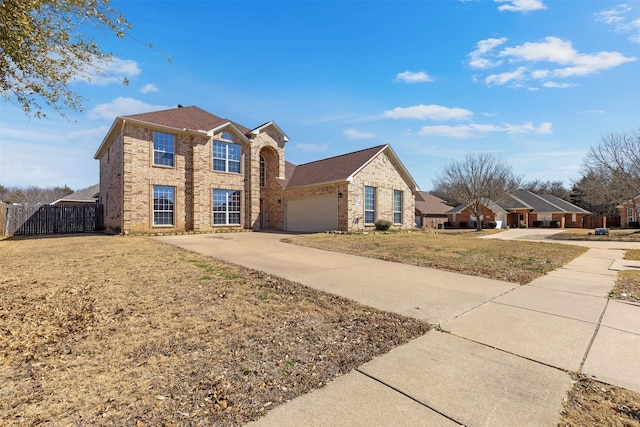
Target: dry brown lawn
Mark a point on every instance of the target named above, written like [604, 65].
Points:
[457, 251]
[592, 403]
[627, 286]
[107, 330]
[615, 235]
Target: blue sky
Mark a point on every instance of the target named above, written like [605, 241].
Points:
[536, 82]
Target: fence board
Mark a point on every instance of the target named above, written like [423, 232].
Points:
[22, 220]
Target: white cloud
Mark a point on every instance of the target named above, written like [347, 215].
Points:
[121, 107]
[356, 134]
[484, 47]
[474, 130]
[504, 78]
[561, 60]
[430, 112]
[148, 88]
[411, 77]
[615, 15]
[106, 71]
[618, 18]
[520, 5]
[558, 85]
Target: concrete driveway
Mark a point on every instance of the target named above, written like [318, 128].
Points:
[423, 293]
[508, 351]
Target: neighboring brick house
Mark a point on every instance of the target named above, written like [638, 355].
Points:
[523, 208]
[630, 212]
[431, 211]
[184, 169]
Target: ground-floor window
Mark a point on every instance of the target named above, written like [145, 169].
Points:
[163, 205]
[369, 205]
[397, 206]
[226, 207]
[630, 215]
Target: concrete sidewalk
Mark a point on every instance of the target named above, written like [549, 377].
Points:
[508, 352]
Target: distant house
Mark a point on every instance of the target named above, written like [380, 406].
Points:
[523, 208]
[630, 212]
[185, 169]
[431, 211]
[85, 196]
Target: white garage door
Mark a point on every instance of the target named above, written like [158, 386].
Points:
[311, 214]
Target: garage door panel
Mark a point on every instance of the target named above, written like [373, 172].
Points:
[312, 214]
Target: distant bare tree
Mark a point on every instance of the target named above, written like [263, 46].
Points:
[33, 195]
[555, 188]
[475, 181]
[611, 173]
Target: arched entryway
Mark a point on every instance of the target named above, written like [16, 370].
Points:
[271, 204]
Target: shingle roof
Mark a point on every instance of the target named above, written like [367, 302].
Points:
[523, 199]
[185, 117]
[88, 194]
[428, 204]
[333, 169]
[563, 204]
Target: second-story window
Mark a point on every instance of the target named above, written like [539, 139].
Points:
[163, 149]
[226, 155]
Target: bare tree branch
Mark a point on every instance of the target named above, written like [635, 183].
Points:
[475, 182]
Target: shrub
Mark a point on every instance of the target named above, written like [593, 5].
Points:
[383, 224]
[493, 224]
[523, 225]
[634, 224]
[555, 224]
[463, 224]
[447, 224]
[537, 223]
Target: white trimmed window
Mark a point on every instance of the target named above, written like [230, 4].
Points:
[163, 149]
[397, 206]
[369, 205]
[226, 155]
[163, 205]
[226, 207]
[263, 172]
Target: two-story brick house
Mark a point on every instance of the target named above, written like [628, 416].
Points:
[185, 169]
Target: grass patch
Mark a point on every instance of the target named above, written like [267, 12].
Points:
[461, 252]
[111, 330]
[592, 403]
[615, 235]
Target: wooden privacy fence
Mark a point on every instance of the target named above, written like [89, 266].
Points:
[24, 220]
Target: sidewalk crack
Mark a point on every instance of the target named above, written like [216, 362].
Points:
[409, 396]
[593, 337]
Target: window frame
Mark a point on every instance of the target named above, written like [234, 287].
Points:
[398, 210]
[226, 213]
[369, 205]
[263, 171]
[226, 142]
[162, 151]
[155, 211]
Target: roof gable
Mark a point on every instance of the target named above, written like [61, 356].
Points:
[332, 169]
[341, 168]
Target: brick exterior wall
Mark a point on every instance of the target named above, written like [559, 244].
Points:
[383, 174]
[111, 184]
[127, 177]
